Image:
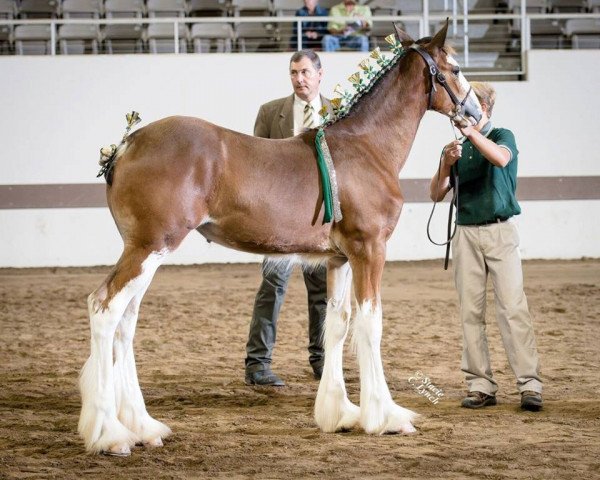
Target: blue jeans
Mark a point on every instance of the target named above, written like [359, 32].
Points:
[331, 43]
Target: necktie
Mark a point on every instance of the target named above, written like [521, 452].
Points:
[309, 121]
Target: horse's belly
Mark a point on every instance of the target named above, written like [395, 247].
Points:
[267, 241]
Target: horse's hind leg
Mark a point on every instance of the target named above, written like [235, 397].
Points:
[131, 409]
[333, 410]
[98, 422]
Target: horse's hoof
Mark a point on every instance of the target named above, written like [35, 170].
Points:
[118, 451]
[154, 443]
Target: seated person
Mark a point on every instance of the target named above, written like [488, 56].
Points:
[353, 32]
[312, 31]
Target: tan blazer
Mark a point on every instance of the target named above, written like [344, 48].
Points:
[275, 119]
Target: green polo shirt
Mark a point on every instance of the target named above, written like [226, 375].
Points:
[487, 192]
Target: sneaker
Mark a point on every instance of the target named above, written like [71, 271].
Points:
[478, 400]
[531, 401]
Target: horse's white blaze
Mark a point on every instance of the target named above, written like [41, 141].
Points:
[464, 83]
[378, 412]
[101, 381]
[333, 410]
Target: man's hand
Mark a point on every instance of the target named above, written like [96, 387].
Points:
[452, 153]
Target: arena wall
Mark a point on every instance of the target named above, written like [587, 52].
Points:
[57, 112]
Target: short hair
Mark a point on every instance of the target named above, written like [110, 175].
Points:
[486, 94]
[307, 53]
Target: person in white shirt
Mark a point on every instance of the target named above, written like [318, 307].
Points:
[282, 118]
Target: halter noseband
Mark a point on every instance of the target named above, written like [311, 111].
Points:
[437, 75]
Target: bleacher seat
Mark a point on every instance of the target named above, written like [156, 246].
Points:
[547, 34]
[584, 32]
[123, 38]
[567, 6]
[208, 8]
[32, 40]
[166, 8]
[124, 8]
[161, 38]
[78, 39]
[207, 37]
[385, 7]
[251, 37]
[8, 9]
[5, 40]
[81, 8]
[38, 8]
[251, 8]
[283, 8]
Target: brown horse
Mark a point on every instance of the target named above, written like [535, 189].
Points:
[257, 195]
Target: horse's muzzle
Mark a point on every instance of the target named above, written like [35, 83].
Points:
[470, 110]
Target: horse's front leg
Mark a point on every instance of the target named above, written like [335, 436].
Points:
[333, 410]
[378, 412]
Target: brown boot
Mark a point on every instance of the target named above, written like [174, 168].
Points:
[478, 400]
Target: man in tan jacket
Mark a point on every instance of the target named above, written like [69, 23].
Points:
[282, 118]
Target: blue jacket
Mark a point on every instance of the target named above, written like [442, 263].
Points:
[319, 27]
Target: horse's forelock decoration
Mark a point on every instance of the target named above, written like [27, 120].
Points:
[262, 196]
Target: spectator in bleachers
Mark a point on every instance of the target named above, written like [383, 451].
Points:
[312, 31]
[352, 33]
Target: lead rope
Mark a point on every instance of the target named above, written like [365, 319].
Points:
[453, 203]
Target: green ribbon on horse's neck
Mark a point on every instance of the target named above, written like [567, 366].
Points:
[328, 179]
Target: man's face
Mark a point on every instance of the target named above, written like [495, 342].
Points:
[305, 79]
[311, 4]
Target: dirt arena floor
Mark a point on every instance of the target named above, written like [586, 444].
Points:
[190, 351]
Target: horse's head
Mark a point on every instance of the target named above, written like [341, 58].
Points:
[455, 98]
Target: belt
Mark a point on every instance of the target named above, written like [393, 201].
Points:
[489, 222]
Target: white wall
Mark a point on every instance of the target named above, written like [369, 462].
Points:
[59, 111]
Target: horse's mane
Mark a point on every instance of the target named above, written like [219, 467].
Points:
[369, 89]
[376, 82]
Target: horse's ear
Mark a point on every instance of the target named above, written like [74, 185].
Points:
[440, 37]
[405, 38]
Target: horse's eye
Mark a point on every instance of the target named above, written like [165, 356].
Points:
[456, 71]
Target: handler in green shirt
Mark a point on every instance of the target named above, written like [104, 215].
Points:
[487, 242]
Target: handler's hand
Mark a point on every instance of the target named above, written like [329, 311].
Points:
[466, 128]
[452, 152]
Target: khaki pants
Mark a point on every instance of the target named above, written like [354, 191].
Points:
[493, 249]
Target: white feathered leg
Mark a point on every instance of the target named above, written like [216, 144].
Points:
[378, 412]
[333, 409]
[131, 409]
[98, 422]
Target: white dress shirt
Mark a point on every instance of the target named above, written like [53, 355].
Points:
[299, 105]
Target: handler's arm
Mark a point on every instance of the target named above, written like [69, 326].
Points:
[495, 154]
[440, 183]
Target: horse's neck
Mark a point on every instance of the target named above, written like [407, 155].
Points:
[390, 116]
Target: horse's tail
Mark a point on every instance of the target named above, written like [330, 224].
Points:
[109, 155]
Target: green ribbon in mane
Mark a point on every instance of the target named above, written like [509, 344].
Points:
[328, 179]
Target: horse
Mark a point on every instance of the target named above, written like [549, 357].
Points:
[263, 196]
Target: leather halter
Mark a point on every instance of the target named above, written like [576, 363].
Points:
[437, 75]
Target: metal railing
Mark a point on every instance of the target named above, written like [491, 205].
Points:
[424, 21]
